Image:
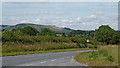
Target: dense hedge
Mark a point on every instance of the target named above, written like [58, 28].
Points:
[16, 47]
[18, 40]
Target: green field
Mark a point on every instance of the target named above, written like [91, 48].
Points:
[105, 56]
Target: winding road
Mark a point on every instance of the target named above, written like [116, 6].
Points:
[43, 59]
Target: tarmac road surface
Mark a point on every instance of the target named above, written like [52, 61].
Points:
[43, 59]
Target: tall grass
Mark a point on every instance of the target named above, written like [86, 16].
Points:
[110, 52]
[40, 43]
[105, 56]
[16, 47]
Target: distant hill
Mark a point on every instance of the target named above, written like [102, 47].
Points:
[118, 31]
[38, 27]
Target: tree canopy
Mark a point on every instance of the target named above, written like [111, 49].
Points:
[106, 35]
[12, 35]
[29, 30]
[81, 33]
[46, 32]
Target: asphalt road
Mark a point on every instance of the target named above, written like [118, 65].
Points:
[43, 59]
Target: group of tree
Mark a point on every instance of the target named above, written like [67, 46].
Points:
[107, 35]
[33, 32]
[29, 30]
[81, 33]
[19, 34]
[46, 32]
[104, 34]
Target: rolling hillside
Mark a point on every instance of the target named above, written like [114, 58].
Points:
[40, 27]
[36, 26]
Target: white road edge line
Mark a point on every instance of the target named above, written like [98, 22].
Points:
[30, 64]
[53, 60]
[43, 62]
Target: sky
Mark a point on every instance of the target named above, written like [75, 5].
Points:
[74, 15]
[60, 0]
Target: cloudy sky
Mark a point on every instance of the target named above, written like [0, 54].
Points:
[60, 0]
[75, 15]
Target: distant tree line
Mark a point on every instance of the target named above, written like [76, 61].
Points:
[104, 34]
[80, 33]
[29, 39]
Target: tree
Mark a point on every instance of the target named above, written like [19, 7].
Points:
[63, 34]
[29, 30]
[106, 35]
[12, 35]
[81, 33]
[46, 32]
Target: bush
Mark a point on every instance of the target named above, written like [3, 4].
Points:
[94, 55]
[103, 52]
[46, 32]
[27, 39]
[91, 46]
[95, 46]
[74, 39]
[110, 58]
[37, 39]
[78, 40]
[82, 46]
[29, 31]
[11, 36]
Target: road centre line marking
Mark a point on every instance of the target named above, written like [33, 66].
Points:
[43, 62]
[53, 60]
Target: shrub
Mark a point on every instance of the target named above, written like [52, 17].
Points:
[103, 52]
[78, 40]
[94, 55]
[11, 36]
[29, 30]
[95, 46]
[91, 46]
[46, 32]
[74, 39]
[82, 46]
[27, 39]
[110, 58]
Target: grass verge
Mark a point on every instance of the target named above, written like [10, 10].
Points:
[105, 56]
[37, 52]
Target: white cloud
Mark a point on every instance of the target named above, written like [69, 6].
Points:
[46, 12]
[65, 20]
[37, 20]
[24, 0]
[60, 13]
[92, 21]
[83, 23]
[99, 13]
[92, 16]
[78, 18]
[71, 21]
[25, 21]
[60, 0]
